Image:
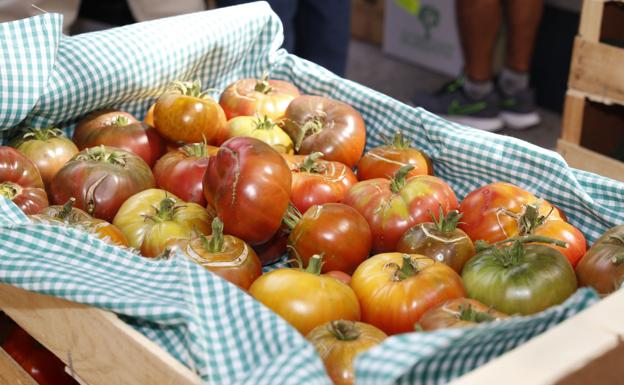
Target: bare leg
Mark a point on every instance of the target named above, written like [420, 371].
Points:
[523, 19]
[479, 23]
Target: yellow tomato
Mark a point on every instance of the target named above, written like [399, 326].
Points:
[262, 129]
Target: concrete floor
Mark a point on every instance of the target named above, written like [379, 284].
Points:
[369, 66]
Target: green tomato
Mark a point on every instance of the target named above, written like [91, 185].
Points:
[519, 279]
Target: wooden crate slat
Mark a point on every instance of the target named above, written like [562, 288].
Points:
[11, 373]
[104, 350]
[591, 19]
[572, 123]
[598, 70]
[584, 159]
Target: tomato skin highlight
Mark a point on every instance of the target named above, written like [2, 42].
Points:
[394, 301]
[257, 97]
[248, 183]
[339, 342]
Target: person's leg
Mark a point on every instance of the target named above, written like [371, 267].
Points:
[519, 110]
[323, 33]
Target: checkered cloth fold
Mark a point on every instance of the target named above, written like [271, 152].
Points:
[203, 321]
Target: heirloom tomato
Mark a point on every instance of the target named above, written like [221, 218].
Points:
[185, 113]
[384, 161]
[458, 313]
[263, 129]
[74, 217]
[121, 130]
[440, 240]
[227, 256]
[272, 250]
[519, 278]
[318, 124]
[181, 171]
[396, 289]
[101, 179]
[248, 183]
[336, 231]
[316, 181]
[21, 182]
[338, 342]
[305, 298]
[491, 213]
[391, 207]
[263, 97]
[48, 148]
[153, 218]
[602, 267]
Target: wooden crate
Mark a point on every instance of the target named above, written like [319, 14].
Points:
[593, 118]
[367, 20]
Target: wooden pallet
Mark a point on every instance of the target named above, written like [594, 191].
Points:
[593, 119]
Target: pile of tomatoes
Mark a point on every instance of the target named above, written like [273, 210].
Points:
[378, 244]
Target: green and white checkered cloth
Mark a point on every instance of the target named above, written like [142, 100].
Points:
[203, 321]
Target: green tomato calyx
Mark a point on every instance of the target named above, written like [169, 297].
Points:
[407, 269]
[216, 242]
[344, 330]
[192, 89]
[262, 85]
[43, 134]
[120, 121]
[264, 123]
[292, 216]
[101, 154]
[400, 178]
[166, 210]
[66, 210]
[446, 223]
[468, 313]
[198, 150]
[510, 255]
[399, 141]
[10, 190]
[311, 165]
[315, 264]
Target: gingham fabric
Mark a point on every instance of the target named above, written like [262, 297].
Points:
[203, 321]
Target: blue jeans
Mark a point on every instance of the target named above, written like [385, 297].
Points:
[317, 30]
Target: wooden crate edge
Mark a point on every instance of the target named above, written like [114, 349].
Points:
[588, 160]
[11, 373]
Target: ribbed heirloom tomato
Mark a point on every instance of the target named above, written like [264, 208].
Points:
[458, 313]
[227, 256]
[21, 182]
[318, 124]
[396, 289]
[101, 179]
[248, 183]
[391, 207]
[603, 266]
[305, 298]
[122, 130]
[181, 171]
[316, 181]
[260, 128]
[384, 161]
[262, 97]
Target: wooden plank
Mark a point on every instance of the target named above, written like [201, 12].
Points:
[562, 350]
[591, 20]
[367, 19]
[11, 373]
[102, 349]
[596, 70]
[584, 159]
[572, 123]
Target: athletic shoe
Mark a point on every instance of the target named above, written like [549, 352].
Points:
[519, 111]
[452, 103]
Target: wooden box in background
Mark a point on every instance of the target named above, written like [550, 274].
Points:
[367, 20]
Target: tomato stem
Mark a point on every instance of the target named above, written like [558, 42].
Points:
[292, 216]
[192, 89]
[311, 165]
[264, 123]
[530, 219]
[166, 209]
[399, 141]
[308, 128]
[468, 313]
[315, 264]
[398, 180]
[408, 269]
[10, 190]
[199, 150]
[43, 133]
[344, 330]
[216, 242]
[103, 154]
[262, 85]
[67, 208]
[120, 121]
[617, 259]
[448, 223]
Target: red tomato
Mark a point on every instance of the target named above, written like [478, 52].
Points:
[272, 250]
[248, 183]
[336, 231]
[563, 231]
[305, 298]
[486, 211]
[396, 289]
[384, 161]
[391, 207]
[316, 181]
[21, 182]
[184, 113]
[181, 171]
[458, 313]
[227, 256]
[257, 97]
[602, 267]
[101, 179]
[339, 342]
[49, 149]
[318, 124]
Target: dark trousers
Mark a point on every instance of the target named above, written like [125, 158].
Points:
[317, 30]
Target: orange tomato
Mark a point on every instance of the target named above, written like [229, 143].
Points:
[258, 97]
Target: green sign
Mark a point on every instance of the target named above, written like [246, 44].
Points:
[411, 6]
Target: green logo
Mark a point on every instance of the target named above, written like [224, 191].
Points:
[411, 6]
[455, 108]
[429, 18]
